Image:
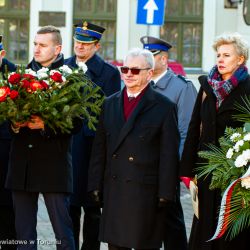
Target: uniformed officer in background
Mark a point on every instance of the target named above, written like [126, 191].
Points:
[87, 38]
[183, 93]
[7, 220]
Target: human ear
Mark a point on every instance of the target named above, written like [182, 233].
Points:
[241, 60]
[2, 53]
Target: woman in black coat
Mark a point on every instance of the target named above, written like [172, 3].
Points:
[225, 85]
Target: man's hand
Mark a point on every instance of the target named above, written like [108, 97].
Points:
[35, 122]
[96, 197]
[16, 126]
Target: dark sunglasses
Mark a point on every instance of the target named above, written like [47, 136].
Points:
[134, 71]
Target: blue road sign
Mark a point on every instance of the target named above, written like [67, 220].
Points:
[150, 12]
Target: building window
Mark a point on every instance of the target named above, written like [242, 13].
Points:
[14, 26]
[103, 13]
[183, 29]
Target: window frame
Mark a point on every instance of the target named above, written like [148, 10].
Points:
[8, 14]
[95, 17]
[181, 19]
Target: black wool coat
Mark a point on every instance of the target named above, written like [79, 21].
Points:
[213, 127]
[40, 161]
[133, 163]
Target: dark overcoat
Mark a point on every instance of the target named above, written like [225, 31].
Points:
[5, 140]
[108, 78]
[134, 163]
[40, 161]
[213, 127]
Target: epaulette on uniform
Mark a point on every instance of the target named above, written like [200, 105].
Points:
[183, 78]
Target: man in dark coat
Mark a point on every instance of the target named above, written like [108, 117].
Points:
[7, 219]
[183, 93]
[40, 161]
[134, 163]
[86, 43]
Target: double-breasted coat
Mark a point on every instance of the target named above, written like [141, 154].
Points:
[133, 163]
[213, 127]
[107, 77]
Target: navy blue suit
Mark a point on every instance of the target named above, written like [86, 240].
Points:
[108, 78]
[7, 222]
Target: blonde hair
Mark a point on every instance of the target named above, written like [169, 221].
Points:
[240, 44]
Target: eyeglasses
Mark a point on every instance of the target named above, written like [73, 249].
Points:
[134, 71]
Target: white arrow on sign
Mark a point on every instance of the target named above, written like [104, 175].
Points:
[150, 6]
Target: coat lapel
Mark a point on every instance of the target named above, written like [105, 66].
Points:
[144, 104]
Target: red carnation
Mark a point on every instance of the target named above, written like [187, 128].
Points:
[36, 85]
[14, 78]
[57, 77]
[44, 84]
[28, 76]
[4, 92]
[25, 83]
[14, 94]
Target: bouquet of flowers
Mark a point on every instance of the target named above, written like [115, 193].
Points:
[229, 166]
[57, 96]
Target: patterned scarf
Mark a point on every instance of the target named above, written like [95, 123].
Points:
[222, 88]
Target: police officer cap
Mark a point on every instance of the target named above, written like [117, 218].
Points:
[155, 45]
[1, 45]
[87, 32]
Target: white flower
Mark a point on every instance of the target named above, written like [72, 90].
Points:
[52, 72]
[237, 145]
[42, 73]
[245, 182]
[234, 136]
[247, 137]
[31, 72]
[82, 66]
[64, 79]
[43, 69]
[242, 159]
[230, 153]
[65, 69]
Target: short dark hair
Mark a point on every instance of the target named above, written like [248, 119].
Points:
[57, 38]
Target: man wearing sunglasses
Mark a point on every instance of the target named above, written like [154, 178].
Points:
[183, 93]
[134, 162]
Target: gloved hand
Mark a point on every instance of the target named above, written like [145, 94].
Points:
[96, 197]
[186, 181]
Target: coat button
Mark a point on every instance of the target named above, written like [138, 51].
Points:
[30, 146]
[114, 156]
[131, 158]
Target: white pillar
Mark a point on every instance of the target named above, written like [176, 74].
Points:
[209, 33]
[122, 28]
[55, 6]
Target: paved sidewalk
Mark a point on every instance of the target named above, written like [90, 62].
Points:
[46, 240]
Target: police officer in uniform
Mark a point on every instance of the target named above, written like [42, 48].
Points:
[87, 38]
[7, 219]
[183, 93]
